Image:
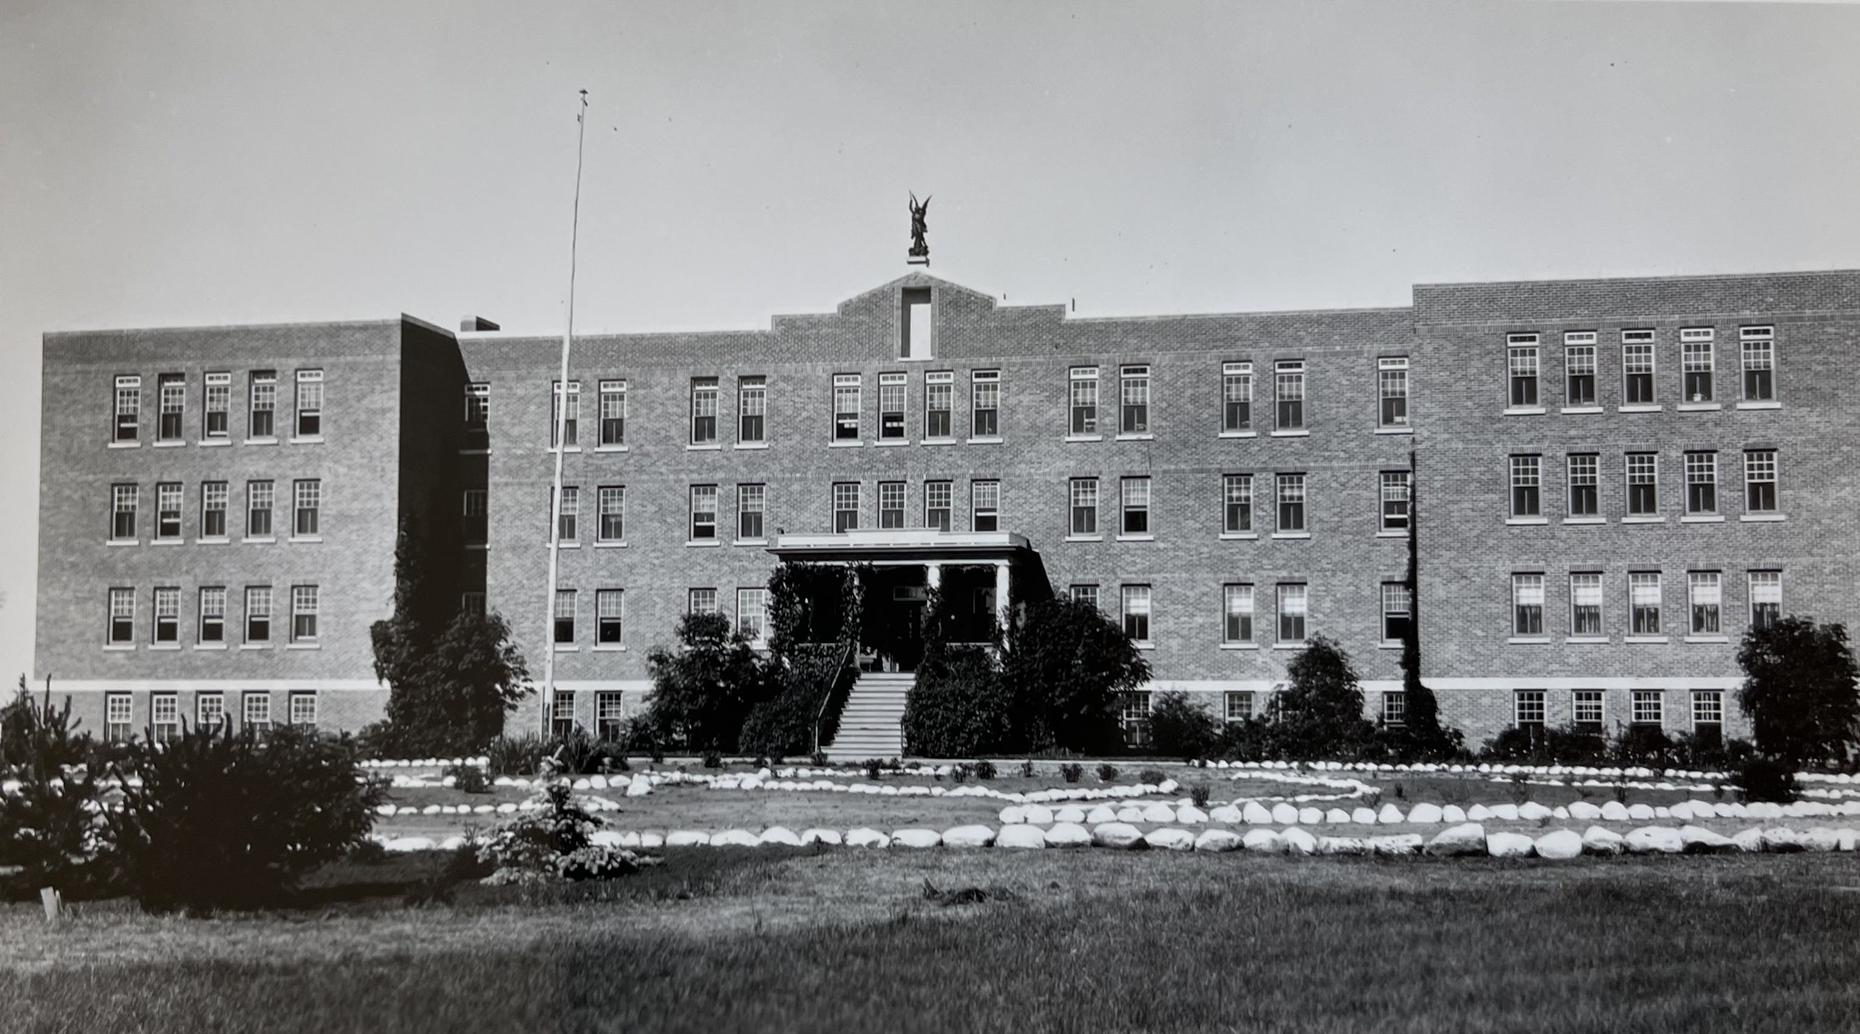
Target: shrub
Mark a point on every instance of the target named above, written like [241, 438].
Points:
[705, 688]
[1026, 769]
[218, 820]
[468, 779]
[1321, 711]
[1107, 772]
[872, 768]
[984, 769]
[1645, 745]
[555, 842]
[712, 759]
[957, 773]
[804, 686]
[1252, 739]
[1180, 727]
[1153, 777]
[1199, 794]
[1566, 745]
[1064, 667]
[819, 759]
[516, 755]
[1071, 771]
[957, 708]
[50, 824]
[1801, 690]
[1767, 779]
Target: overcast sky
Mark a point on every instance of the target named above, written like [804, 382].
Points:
[173, 163]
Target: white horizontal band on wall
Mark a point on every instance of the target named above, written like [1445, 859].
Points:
[210, 685]
[1510, 682]
[600, 685]
[1258, 685]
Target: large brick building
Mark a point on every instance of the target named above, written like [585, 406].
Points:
[1612, 479]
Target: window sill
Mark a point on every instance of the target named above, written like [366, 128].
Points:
[167, 542]
[122, 542]
[1236, 535]
[254, 646]
[1640, 407]
[261, 441]
[749, 445]
[1301, 644]
[1702, 518]
[1146, 645]
[1759, 405]
[122, 445]
[1239, 646]
[164, 646]
[563, 544]
[749, 542]
[1389, 644]
[844, 445]
[303, 646]
[1239, 434]
[1698, 407]
[1527, 520]
[612, 544]
[263, 541]
[938, 441]
[1136, 436]
[1524, 411]
[211, 443]
[1644, 518]
[1084, 538]
[1392, 533]
[1707, 639]
[1761, 518]
[572, 448]
[314, 439]
[1580, 409]
[704, 447]
[118, 647]
[1296, 432]
[1528, 640]
[1291, 534]
[306, 538]
[209, 646]
[1588, 639]
[169, 443]
[1394, 430]
[1585, 519]
[1084, 438]
[888, 443]
[1651, 639]
[1145, 537]
[986, 440]
[703, 543]
[610, 448]
[567, 648]
[609, 647]
[217, 540]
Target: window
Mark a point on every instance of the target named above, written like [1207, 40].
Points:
[1704, 590]
[752, 608]
[750, 500]
[701, 601]
[124, 500]
[168, 510]
[1758, 345]
[1398, 611]
[845, 407]
[472, 603]
[118, 717]
[609, 616]
[1765, 598]
[476, 523]
[1637, 367]
[1695, 360]
[309, 403]
[1134, 396]
[1236, 504]
[610, 500]
[891, 504]
[1291, 492]
[1238, 705]
[167, 615]
[255, 711]
[1396, 489]
[562, 714]
[891, 393]
[939, 399]
[1237, 613]
[122, 628]
[1521, 359]
[1288, 385]
[937, 505]
[303, 709]
[1136, 604]
[1527, 604]
[613, 413]
[1084, 506]
[1086, 594]
[257, 510]
[1760, 480]
[564, 617]
[477, 415]
[213, 614]
[1526, 486]
[985, 403]
[752, 406]
[1644, 602]
[1708, 715]
[1579, 367]
[213, 509]
[307, 497]
[1291, 612]
[565, 415]
[1528, 709]
[128, 409]
[216, 425]
[609, 714]
[1392, 387]
[1701, 482]
[568, 514]
[1585, 604]
[165, 716]
[303, 613]
[703, 513]
[1134, 717]
[1584, 480]
[845, 506]
[258, 614]
[1643, 483]
[1648, 707]
[703, 410]
[985, 505]
[1394, 708]
[1585, 708]
[1084, 399]
[172, 398]
[1135, 496]
[1236, 397]
[262, 422]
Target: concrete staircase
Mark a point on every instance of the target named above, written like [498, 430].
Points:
[871, 726]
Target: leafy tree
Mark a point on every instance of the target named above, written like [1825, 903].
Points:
[958, 707]
[1181, 727]
[707, 686]
[50, 823]
[1065, 665]
[1321, 712]
[1800, 690]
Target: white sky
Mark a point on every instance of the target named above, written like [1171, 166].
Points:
[193, 162]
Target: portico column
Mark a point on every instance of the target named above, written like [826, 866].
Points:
[933, 575]
[1001, 593]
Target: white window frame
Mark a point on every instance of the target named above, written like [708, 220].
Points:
[1647, 707]
[1236, 390]
[305, 601]
[847, 408]
[699, 525]
[1527, 592]
[1238, 600]
[1701, 469]
[985, 504]
[1523, 365]
[1395, 491]
[1757, 353]
[1705, 589]
[752, 403]
[752, 614]
[752, 498]
[985, 387]
[1641, 468]
[1764, 587]
[706, 403]
[610, 501]
[894, 398]
[1640, 356]
[1133, 392]
[308, 406]
[1586, 590]
[846, 496]
[1697, 346]
[126, 409]
[1293, 600]
[1761, 468]
[612, 405]
[1391, 384]
[1082, 401]
[1288, 388]
[940, 383]
[567, 417]
[1237, 502]
[1134, 503]
[1083, 497]
[1137, 601]
[1645, 590]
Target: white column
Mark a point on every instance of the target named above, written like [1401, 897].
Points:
[933, 575]
[1001, 593]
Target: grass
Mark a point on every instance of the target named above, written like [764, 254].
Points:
[719, 940]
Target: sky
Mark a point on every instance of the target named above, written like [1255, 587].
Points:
[183, 162]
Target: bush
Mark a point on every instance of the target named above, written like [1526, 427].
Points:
[819, 758]
[554, 843]
[1026, 769]
[712, 759]
[1199, 793]
[1153, 777]
[516, 755]
[984, 769]
[703, 690]
[1801, 690]
[1566, 745]
[799, 684]
[1767, 779]
[1180, 727]
[50, 824]
[1252, 739]
[1646, 745]
[218, 820]
[872, 768]
[1321, 711]
[468, 779]
[1107, 772]
[1064, 667]
[1072, 770]
[957, 708]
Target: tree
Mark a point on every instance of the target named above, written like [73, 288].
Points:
[50, 822]
[1064, 667]
[957, 707]
[1321, 712]
[702, 691]
[1181, 727]
[1801, 690]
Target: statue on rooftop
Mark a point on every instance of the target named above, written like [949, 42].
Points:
[920, 252]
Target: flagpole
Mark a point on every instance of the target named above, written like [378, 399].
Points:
[560, 402]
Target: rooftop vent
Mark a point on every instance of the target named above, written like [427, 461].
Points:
[473, 323]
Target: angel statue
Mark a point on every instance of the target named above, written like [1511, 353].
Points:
[919, 250]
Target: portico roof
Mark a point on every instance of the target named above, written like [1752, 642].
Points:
[902, 545]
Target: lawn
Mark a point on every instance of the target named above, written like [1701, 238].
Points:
[777, 940]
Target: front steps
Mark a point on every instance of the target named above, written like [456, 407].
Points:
[871, 726]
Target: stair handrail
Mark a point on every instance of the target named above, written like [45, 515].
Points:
[827, 697]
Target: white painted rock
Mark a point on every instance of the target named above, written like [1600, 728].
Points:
[506, 808]
[1597, 840]
[1478, 813]
[916, 838]
[1821, 838]
[781, 835]
[1467, 838]
[1847, 839]
[1615, 811]
[612, 838]
[1264, 840]
[1699, 840]
[1583, 811]
[1297, 841]
[1131, 814]
[1749, 841]
[1311, 816]
[1397, 843]
[1504, 812]
[629, 839]
[1363, 816]
[1284, 813]
[1509, 845]
[679, 838]
[1038, 814]
[652, 840]
[1425, 814]
[1153, 813]
[1641, 813]
[1655, 840]
[1336, 817]
[1070, 813]
[1453, 814]
[1218, 840]
[1189, 815]
[1343, 845]
[967, 836]
[735, 838]
[864, 837]
[1013, 814]
[1017, 836]
[1781, 841]
[1257, 814]
[1226, 815]
[1117, 834]
[1101, 814]
[1170, 839]
[638, 788]
[820, 836]
[1531, 811]
[1390, 815]
[1067, 834]
[409, 844]
[1559, 845]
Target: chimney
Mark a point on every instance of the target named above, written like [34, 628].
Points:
[468, 324]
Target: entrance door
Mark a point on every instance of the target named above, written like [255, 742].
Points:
[906, 618]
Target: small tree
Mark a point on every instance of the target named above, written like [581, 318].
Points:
[1065, 666]
[1321, 712]
[1181, 727]
[1801, 690]
[957, 707]
[706, 688]
[51, 823]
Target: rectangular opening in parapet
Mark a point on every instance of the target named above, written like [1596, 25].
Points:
[914, 342]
